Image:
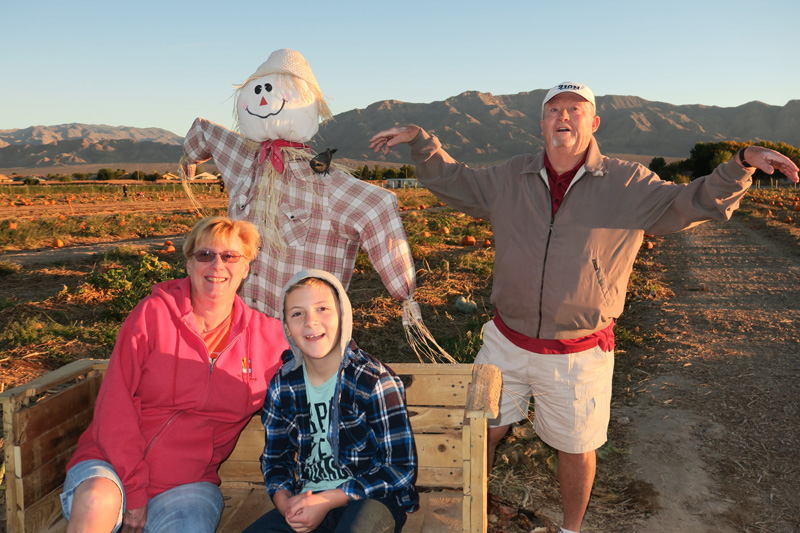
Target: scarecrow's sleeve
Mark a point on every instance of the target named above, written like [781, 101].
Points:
[384, 240]
[206, 140]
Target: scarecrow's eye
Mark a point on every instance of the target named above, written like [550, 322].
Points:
[268, 87]
[258, 89]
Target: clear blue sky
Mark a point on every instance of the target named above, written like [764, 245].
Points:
[162, 63]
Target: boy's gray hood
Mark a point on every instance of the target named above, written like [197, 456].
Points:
[345, 315]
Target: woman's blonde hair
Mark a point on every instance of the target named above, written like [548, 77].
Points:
[219, 229]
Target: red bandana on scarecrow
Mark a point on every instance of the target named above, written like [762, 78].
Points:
[308, 217]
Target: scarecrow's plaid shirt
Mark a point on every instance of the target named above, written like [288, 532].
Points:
[325, 218]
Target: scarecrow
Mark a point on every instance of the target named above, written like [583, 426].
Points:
[310, 212]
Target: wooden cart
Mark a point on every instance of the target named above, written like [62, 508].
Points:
[448, 406]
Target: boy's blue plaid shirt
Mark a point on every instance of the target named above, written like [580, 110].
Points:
[372, 442]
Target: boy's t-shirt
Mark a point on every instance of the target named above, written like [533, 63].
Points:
[320, 468]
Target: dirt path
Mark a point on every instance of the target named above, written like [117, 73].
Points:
[44, 256]
[714, 424]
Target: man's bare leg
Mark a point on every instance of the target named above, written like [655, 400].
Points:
[495, 436]
[576, 475]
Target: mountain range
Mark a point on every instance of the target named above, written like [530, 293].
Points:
[476, 128]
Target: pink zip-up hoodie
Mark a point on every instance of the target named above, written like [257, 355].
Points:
[165, 416]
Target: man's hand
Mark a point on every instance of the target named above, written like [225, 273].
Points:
[769, 161]
[392, 137]
[133, 520]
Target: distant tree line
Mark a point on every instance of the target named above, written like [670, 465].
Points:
[705, 157]
[380, 173]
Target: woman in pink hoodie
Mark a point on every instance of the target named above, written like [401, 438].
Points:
[190, 367]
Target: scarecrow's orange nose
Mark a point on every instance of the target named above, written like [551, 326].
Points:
[263, 101]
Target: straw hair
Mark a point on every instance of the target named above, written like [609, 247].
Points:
[221, 229]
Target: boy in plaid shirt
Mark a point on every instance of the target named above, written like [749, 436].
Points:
[339, 447]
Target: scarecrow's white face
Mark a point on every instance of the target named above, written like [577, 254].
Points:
[277, 107]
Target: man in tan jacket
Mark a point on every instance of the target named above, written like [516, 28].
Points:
[568, 223]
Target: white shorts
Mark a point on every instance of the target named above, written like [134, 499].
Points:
[572, 392]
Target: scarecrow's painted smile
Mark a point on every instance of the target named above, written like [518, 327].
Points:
[283, 103]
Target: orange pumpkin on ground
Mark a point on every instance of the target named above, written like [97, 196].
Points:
[467, 240]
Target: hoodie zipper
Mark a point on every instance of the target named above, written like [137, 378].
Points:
[578, 176]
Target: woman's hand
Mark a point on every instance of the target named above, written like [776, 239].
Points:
[133, 520]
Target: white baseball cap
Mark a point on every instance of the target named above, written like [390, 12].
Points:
[569, 87]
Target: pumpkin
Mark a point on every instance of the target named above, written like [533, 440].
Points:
[12, 225]
[426, 234]
[445, 231]
[648, 245]
[169, 249]
[467, 240]
[58, 243]
[487, 243]
[466, 306]
[167, 243]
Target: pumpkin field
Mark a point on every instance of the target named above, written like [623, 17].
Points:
[56, 311]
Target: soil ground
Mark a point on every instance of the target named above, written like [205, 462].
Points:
[705, 410]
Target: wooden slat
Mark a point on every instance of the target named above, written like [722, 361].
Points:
[232, 471]
[53, 379]
[242, 508]
[35, 452]
[483, 399]
[43, 480]
[443, 451]
[438, 389]
[420, 369]
[8, 455]
[440, 512]
[249, 447]
[478, 489]
[37, 419]
[426, 419]
[43, 516]
[438, 478]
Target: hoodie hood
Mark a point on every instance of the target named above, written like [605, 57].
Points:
[345, 316]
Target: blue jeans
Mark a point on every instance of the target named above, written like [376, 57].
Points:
[190, 508]
[382, 515]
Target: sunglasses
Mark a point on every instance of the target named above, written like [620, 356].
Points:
[206, 256]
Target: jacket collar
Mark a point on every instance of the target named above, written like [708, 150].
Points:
[595, 162]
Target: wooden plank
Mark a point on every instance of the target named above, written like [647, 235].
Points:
[420, 369]
[43, 480]
[35, 452]
[466, 511]
[250, 504]
[440, 512]
[437, 389]
[439, 478]
[476, 497]
[232, 471]
[44, 515]
[53, 379]
[483, 399]
[255, 424]
[249, 447]
[426, 419]
[8, 456]
[442, 451]
[37, 419]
